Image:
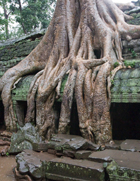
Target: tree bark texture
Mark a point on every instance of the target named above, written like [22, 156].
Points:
[83, 40]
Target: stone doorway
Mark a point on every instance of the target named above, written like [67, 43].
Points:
[74, 121]
[21, 109]
[125, 118]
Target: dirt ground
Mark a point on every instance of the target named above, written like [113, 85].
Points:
[7, 163]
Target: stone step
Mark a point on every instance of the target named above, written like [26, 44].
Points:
[123, 158]
[123, 165]
[71, 169]
[44, 165]
[130, 145]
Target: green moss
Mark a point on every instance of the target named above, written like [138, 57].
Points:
[116, 64]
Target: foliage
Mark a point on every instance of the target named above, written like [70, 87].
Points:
[32, 14]
[28, 15]
[133, 53]
[112, 82]
[4, 19]
[7, 154]
[116, 64]
[131, 64]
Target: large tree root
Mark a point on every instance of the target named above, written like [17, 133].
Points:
[20, 177]
[84, 39]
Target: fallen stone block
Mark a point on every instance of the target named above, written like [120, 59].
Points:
[83, 154]
[122, 165]
[33, 163]
[47, 166]
[67, 169]
[69, 153]
[51, 151]
[122, 173]
[39, 146]
[62, 142]
[24, 139]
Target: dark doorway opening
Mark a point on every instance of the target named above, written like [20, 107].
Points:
[74, 121]
[21, 109]
[125, 118]
[2, 123]
[57, 108]
[97, 53]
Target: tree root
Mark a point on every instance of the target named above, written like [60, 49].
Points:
[84, 39]
[20, 177]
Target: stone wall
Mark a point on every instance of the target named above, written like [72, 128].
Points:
[14, 50]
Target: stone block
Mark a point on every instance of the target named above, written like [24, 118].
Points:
[66, 169]
[40, 146]
[62, 142]
[33, 163]
[82, 154]
[118, 173]
[24, 139]
[130, 145]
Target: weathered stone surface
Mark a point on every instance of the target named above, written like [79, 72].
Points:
[124, 89]
[51, 151]
[16, 40]
[122, 165]
[126, 86]
[21, 89]
[40, 146]
[82, 154]
[66, 169]
[61, 142]
[125, 159]
[33, 163]
[113, 146]
[24, 138]
[44, 165]
[122, 173]
[69, 153]
[130, 145]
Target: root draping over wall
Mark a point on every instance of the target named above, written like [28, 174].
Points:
[83, 40]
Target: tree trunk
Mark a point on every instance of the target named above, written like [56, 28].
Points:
[22, 24]
[6, 15]
[84, 41]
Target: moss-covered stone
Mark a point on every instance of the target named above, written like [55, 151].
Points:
[24, 138]
[119, 173]
[125, 88]
[74, 170]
